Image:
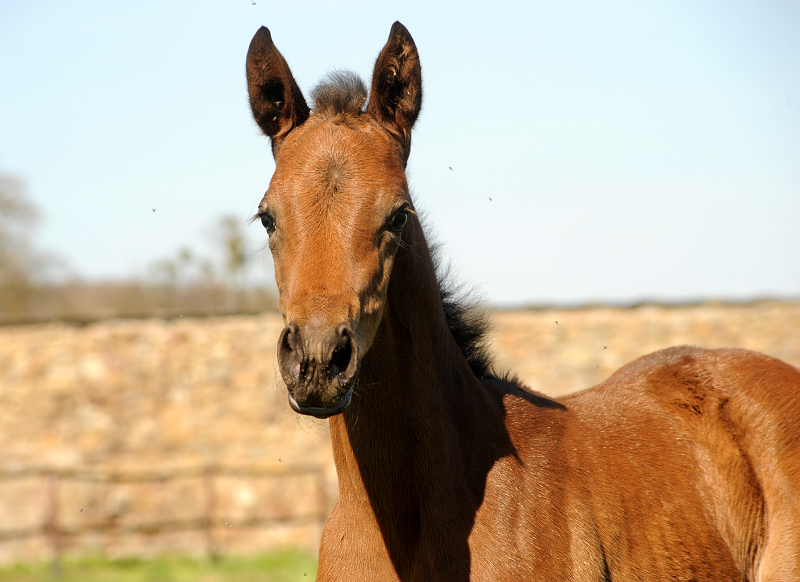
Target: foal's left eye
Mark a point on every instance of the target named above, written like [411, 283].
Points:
[399, 220]
[268, 222]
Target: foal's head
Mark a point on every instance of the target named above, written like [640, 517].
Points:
[335, 210]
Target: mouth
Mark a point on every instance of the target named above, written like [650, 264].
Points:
[326, 411]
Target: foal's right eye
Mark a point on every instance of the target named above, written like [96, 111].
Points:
[399, 220]
[268, 222]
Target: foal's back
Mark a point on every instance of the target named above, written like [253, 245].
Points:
[693, 463]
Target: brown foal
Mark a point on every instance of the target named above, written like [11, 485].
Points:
[684, 465]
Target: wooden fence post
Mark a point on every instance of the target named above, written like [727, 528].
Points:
[208, 485]
[52, 527]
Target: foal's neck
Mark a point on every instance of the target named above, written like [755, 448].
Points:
[415, 387]
[413, 444]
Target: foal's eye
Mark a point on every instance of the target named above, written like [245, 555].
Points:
[268, 222]
[399, 220]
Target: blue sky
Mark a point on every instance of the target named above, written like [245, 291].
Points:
[616, 151]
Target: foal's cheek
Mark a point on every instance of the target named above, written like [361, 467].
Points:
[277, 267]
[373, 302]
[281, 279]
[274, 242]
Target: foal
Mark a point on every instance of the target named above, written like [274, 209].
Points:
[684, 465]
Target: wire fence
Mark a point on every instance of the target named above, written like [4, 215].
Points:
[207, 508]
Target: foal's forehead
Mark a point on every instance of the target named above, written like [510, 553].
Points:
[339, 153]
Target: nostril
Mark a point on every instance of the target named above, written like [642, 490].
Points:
[343, 361]
[342, 354]
[290, 352]
[286, 339]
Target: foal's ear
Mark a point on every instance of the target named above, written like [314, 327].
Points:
[396, 94]
[276, 100]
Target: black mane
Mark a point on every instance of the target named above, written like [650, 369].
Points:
[467, 320]
[469, 323]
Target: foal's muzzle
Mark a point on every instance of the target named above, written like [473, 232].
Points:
[319, 366]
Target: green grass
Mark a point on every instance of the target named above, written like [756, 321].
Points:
[290, 566]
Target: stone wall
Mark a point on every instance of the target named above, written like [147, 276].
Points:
[143, 437]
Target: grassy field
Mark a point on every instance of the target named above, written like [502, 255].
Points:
[280, 567]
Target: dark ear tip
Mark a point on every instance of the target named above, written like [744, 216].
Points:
[262, 37]
[399, 30]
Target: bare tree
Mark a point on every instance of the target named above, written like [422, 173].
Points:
[18, 261]
[233, 248]
[183, 283]
[229, 234]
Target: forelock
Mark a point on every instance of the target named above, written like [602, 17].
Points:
[339, 92]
